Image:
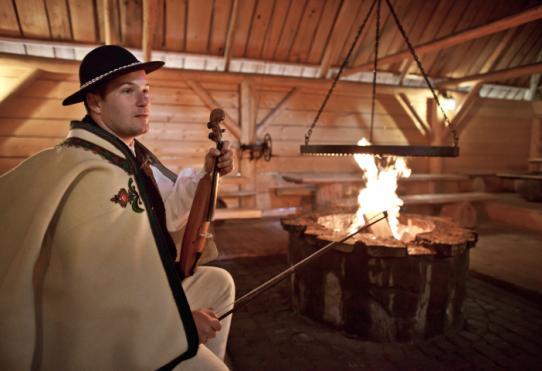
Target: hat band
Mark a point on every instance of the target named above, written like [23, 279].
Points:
[98, 78]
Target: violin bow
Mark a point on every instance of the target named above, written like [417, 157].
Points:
[243, 300]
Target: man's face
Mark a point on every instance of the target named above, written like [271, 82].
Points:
[124, 105]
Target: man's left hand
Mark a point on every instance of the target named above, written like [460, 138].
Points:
[225, 159]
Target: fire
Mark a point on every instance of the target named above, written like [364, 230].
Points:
[380, 194]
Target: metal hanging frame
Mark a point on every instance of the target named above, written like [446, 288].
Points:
[384, 150]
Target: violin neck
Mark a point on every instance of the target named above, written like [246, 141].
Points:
[214, 187]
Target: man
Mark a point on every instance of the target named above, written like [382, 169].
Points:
[89, 231]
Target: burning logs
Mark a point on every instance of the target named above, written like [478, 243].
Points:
[381, 288]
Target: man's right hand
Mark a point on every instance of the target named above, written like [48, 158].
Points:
[207, 324]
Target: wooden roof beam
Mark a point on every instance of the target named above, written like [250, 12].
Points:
[409, 109]
[508, 73]
[497, 52]
[110, 36]
[461, 37]
[404, 121]
[211, 103]
[230, 35]
[459, 120]
[149, 23]
[331, 46]
[315, 85]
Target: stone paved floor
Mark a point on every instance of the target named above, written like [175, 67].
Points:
[502, 329]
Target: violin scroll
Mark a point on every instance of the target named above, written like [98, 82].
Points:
[216, 117]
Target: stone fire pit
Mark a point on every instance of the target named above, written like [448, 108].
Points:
[381, 289]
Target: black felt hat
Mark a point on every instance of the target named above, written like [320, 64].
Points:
[103, 64]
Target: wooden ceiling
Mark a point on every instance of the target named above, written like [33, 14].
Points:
[315, 33]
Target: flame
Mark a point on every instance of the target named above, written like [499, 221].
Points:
[380, 189]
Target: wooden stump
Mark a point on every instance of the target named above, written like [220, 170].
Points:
[381, 289]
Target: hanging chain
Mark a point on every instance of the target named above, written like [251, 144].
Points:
[337, 77]
[375, 68]
[426, 78]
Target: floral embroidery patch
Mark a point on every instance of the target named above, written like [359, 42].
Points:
[123, 197]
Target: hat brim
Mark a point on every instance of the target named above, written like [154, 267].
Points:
[79, 95]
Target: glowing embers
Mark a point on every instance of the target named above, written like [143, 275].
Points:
[379, 194]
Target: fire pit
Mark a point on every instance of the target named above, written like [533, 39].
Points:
[381, 288]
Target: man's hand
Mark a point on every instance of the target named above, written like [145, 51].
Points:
[225, 159]
[207, 324]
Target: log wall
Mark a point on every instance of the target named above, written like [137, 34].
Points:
[496, 137]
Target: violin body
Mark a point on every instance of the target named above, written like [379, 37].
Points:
[197, 230]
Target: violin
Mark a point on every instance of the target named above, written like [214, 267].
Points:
[197, 231]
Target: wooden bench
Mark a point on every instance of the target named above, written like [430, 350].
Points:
[529, 186]
[323, 178]
[535, 163]
[306, 190]
[535, 176]
[239, 193]
[446, 198]
[234, 180]
[237, 213]
[457, 206]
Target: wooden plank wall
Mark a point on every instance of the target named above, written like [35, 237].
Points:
[34, 119]
[496, 139]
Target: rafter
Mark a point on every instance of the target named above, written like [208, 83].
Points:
[110, 36]
[405, 102]
[230, 35]
[461, 37]
[331, 46]
[211, 103]
[404, 121]
[497, 52]
[262, 125]
[149, 22]
[508, 73]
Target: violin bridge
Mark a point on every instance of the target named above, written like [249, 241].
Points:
[206, 235]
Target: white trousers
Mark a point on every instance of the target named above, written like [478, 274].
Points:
[210, 287]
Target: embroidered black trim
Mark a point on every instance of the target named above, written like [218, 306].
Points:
[102, 152]
[156, 162]
[163, 239]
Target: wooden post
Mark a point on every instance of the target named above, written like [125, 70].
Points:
[535, 149]
[436, 164]
[247, 167]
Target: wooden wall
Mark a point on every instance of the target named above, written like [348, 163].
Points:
[496, 137]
